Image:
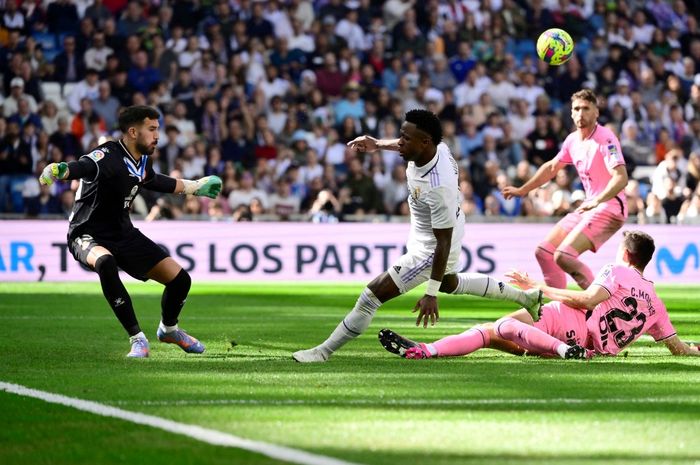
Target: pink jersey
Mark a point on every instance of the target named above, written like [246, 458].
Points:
[594, 159]
[632, 310]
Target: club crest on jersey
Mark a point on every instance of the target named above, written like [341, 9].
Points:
[416, 193]
[96, 155]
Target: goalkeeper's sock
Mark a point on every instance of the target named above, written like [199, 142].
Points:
[354, 324]
[174, 298]
[116, 294]
[462, 344]
[528, 337]
[167, 329]
[482, 285]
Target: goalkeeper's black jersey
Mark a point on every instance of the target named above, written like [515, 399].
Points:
[102, 204]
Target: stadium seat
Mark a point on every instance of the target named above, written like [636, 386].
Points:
[68, 89]
[51, 90]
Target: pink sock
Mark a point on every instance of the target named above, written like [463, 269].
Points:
[553, 275]
[567, 257]
[462, 344]
[526, 336]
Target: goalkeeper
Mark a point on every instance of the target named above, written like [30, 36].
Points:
[102, 237]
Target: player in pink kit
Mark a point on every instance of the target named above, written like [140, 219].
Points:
[596, 154]
[613, 312]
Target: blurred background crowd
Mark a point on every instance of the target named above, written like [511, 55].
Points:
[266, 94]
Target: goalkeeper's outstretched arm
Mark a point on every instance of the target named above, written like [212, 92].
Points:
[83, 168]
[208, 186]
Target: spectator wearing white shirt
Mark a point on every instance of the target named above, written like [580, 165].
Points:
[529, 90]
[273, 85]
[300, 40]
[468, 92]
[87, 88]
[96, 56]
[177, 41]
[311, 168]
[191, 55]
[502, 90]
[303, 11]
[642, 30]
[11, 103]
[348, 29]
[13, 18]
[622, 95]
[246, 192]
[521, 119]
[280, 20]
[671, 167]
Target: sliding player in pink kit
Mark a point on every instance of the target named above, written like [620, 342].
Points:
[595, 152]
[613, 312]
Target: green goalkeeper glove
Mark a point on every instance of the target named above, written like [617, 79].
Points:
[209, 186]
[54, 171]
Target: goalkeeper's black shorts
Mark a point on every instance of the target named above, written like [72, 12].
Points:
[135, 253]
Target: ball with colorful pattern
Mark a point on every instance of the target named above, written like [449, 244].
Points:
[555, 46]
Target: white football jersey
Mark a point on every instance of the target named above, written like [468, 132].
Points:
[433, 197]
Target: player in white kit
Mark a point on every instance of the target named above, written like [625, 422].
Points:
[434, 243]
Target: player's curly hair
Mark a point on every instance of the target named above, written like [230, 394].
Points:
[427, 122]
[640, 247]
[134, 115]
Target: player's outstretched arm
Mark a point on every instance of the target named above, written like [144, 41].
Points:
[370, 144]
[208, 186]
[585, 300]
[53, 172]
[83, 168]
[678, 347]
[543, 175]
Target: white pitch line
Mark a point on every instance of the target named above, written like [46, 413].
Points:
[209, 436]
[416, 402]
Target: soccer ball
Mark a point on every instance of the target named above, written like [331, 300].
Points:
[555, 46]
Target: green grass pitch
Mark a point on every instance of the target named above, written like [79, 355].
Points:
[365, 405]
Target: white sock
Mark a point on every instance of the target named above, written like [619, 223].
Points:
[354, 323]
[137, 336]
[482, 285]
[432, 350]
[167, 329]
[561, 350]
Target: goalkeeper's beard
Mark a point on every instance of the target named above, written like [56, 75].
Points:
[144, 149]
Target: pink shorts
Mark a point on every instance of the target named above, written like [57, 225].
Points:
[597, 225]
[564, 323]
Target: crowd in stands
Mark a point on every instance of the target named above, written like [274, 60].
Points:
[266, 94]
